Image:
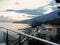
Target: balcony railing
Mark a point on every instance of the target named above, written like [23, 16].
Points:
[20, 38]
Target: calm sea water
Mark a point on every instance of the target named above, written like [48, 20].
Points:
[11, 26]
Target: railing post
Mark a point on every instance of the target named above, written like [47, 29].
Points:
[19, 40]
[7, 37]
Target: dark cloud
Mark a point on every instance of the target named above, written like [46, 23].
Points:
[37, 11]
[17, 3]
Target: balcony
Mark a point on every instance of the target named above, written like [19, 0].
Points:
[11, 37]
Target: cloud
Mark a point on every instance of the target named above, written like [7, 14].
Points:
[37, 11]
[52, 3]
[22, 4]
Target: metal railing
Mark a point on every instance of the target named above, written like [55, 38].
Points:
[19, 38]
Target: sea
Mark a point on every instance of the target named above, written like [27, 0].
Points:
[11, 26]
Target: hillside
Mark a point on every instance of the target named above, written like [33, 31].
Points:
[47, 17]
[52, 17]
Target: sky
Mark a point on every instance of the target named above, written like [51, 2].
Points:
[26, 9]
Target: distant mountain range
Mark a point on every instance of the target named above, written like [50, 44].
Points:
[24, 21]
[6, 19]
[52, 17]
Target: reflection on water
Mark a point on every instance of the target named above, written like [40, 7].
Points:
[14, 26]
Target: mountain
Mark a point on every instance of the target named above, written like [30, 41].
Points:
[46, 18]
[54, 21]
[51, 18]
[28, 21]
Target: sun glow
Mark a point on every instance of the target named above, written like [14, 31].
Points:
[21, 4]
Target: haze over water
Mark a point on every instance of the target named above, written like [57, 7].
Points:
[14, 26]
